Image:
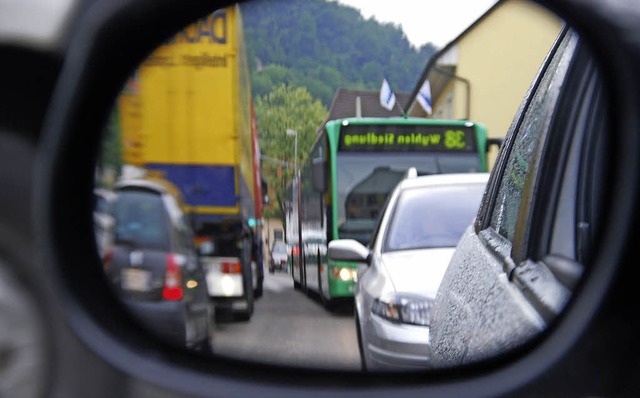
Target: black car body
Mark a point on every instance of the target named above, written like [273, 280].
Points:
[153, 264]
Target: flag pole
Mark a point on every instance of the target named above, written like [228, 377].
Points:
[402, 112]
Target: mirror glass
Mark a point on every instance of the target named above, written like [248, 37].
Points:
[236, 106]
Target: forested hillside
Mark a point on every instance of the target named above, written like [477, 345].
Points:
[324, 45]
[300, 52]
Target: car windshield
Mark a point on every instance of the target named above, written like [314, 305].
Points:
[366, 179]
[140, 220]
[433, 216]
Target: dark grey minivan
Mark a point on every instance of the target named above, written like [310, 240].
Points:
[154, 266]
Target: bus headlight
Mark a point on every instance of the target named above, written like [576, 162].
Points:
[345, 274]
[404, 308]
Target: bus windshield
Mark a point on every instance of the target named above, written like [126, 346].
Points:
[365, 179]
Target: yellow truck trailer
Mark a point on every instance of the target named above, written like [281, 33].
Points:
[187, 114]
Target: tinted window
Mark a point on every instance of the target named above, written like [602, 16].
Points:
[141, 220]
[102, 205]
[181, 230]
[281, 249]
[535, 121]
[429, 217]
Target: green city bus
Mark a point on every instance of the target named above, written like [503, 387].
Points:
[353, 166]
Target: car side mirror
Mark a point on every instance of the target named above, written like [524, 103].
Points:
[497, 142]
[348, 250]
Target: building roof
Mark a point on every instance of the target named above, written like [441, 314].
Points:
[432, 61]
[345, 100]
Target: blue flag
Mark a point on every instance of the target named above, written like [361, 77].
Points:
[424, 97]
[387, 97]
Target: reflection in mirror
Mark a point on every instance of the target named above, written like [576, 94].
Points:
[255, 93]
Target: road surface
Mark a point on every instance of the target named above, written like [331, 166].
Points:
[290, 328]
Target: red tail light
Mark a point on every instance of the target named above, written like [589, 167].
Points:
[106, 259]
[201, 239]
[231, 267]
[172, 289]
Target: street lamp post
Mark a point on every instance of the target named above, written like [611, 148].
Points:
[295, 155]
[294, 133]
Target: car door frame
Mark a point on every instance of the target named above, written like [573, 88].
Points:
[544, 280]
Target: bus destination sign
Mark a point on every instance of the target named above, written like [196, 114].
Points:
[406, 138]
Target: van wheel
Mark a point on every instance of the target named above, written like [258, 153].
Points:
[206, 347]
[257, 293]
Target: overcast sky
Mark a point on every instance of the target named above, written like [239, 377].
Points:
[423, 21]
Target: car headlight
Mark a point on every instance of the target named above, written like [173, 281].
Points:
[404, 308]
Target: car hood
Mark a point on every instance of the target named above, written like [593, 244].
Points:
[417, 271]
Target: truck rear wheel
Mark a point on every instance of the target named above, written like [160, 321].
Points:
[242, 316]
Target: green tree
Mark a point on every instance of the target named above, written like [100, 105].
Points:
[325, 45]
[286, 107]
[110, 159]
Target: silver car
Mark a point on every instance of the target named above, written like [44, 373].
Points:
[279, 256]
[416, 236]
